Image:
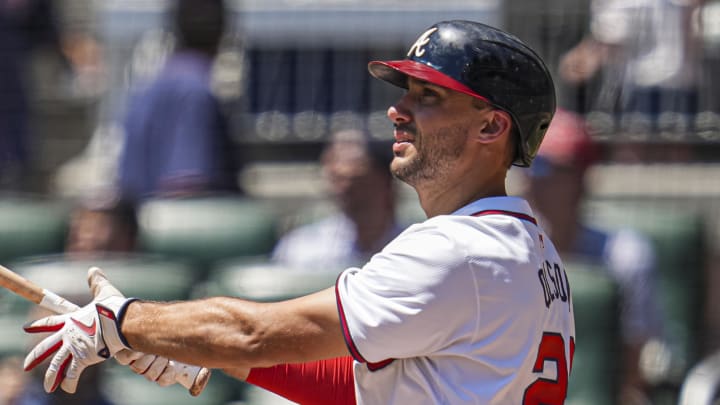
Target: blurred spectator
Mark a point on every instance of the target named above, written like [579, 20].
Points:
[361, 185]
[177, 141]
[556, 189]
[25, 27]
[648, 53]
[98, 227]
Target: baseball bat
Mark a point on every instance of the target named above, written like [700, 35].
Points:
[191, 377]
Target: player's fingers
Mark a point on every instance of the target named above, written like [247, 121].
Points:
[72, 376]
[51, 323]
[82, 346]
[42, 351]
[100, 285]
[167, 378]
[156, 368]
[56, 370]
[126, 357]
[142, 364]
[152, 367]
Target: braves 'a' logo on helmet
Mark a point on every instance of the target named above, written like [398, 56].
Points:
[419, 46]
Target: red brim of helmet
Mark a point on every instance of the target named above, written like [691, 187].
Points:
[397, 71]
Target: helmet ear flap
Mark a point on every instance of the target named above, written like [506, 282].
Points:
[528, 146]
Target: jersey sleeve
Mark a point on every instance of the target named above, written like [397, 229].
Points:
[324, 382]
[397, 305]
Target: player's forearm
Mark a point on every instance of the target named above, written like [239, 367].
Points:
[215, 332]
[224, 332]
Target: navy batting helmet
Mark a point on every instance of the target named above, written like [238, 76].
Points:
[486, 63]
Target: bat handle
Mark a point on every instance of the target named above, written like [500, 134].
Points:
[55, 303]
[193, 378]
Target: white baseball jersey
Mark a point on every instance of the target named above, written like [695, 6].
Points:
[468, 308]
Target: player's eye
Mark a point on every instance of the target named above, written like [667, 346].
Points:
[428, 95]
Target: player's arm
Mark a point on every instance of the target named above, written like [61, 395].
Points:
[225, 332]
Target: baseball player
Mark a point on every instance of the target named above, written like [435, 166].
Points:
[472, 306]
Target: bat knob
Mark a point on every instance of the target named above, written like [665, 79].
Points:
[200, 382]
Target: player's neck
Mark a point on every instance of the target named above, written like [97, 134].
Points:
[444, 199]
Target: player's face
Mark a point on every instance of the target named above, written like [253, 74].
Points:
[432, 125]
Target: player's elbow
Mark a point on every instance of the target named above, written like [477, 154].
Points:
[241, 335]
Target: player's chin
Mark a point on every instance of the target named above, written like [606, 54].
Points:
[399, 163]
[403, 167]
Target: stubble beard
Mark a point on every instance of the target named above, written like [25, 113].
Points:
[433, 160]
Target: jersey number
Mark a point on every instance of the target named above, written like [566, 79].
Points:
[545, 391]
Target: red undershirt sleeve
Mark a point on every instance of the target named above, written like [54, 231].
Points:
[324, 382]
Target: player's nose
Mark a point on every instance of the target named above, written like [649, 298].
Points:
[397, 115]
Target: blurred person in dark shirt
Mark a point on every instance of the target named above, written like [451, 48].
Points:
[177, 140]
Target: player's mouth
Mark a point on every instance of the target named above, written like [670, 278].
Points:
[404, 136]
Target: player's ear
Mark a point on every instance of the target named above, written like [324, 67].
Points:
[497, 124]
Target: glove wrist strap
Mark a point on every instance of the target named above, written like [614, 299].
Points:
[111, 323]
[120, 317]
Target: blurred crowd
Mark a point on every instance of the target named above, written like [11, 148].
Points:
[160, 120]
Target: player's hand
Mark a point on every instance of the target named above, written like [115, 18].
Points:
[82, 338]
[154, 368]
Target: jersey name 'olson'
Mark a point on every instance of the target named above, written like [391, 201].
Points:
[554, 282]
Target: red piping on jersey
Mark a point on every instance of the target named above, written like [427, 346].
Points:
[518, 215]
[349, 341]
[379, 365]
[346, 332]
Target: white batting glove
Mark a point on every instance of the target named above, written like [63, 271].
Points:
[82, 338]
[154, 368]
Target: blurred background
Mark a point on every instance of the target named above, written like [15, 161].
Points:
[283, 78]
